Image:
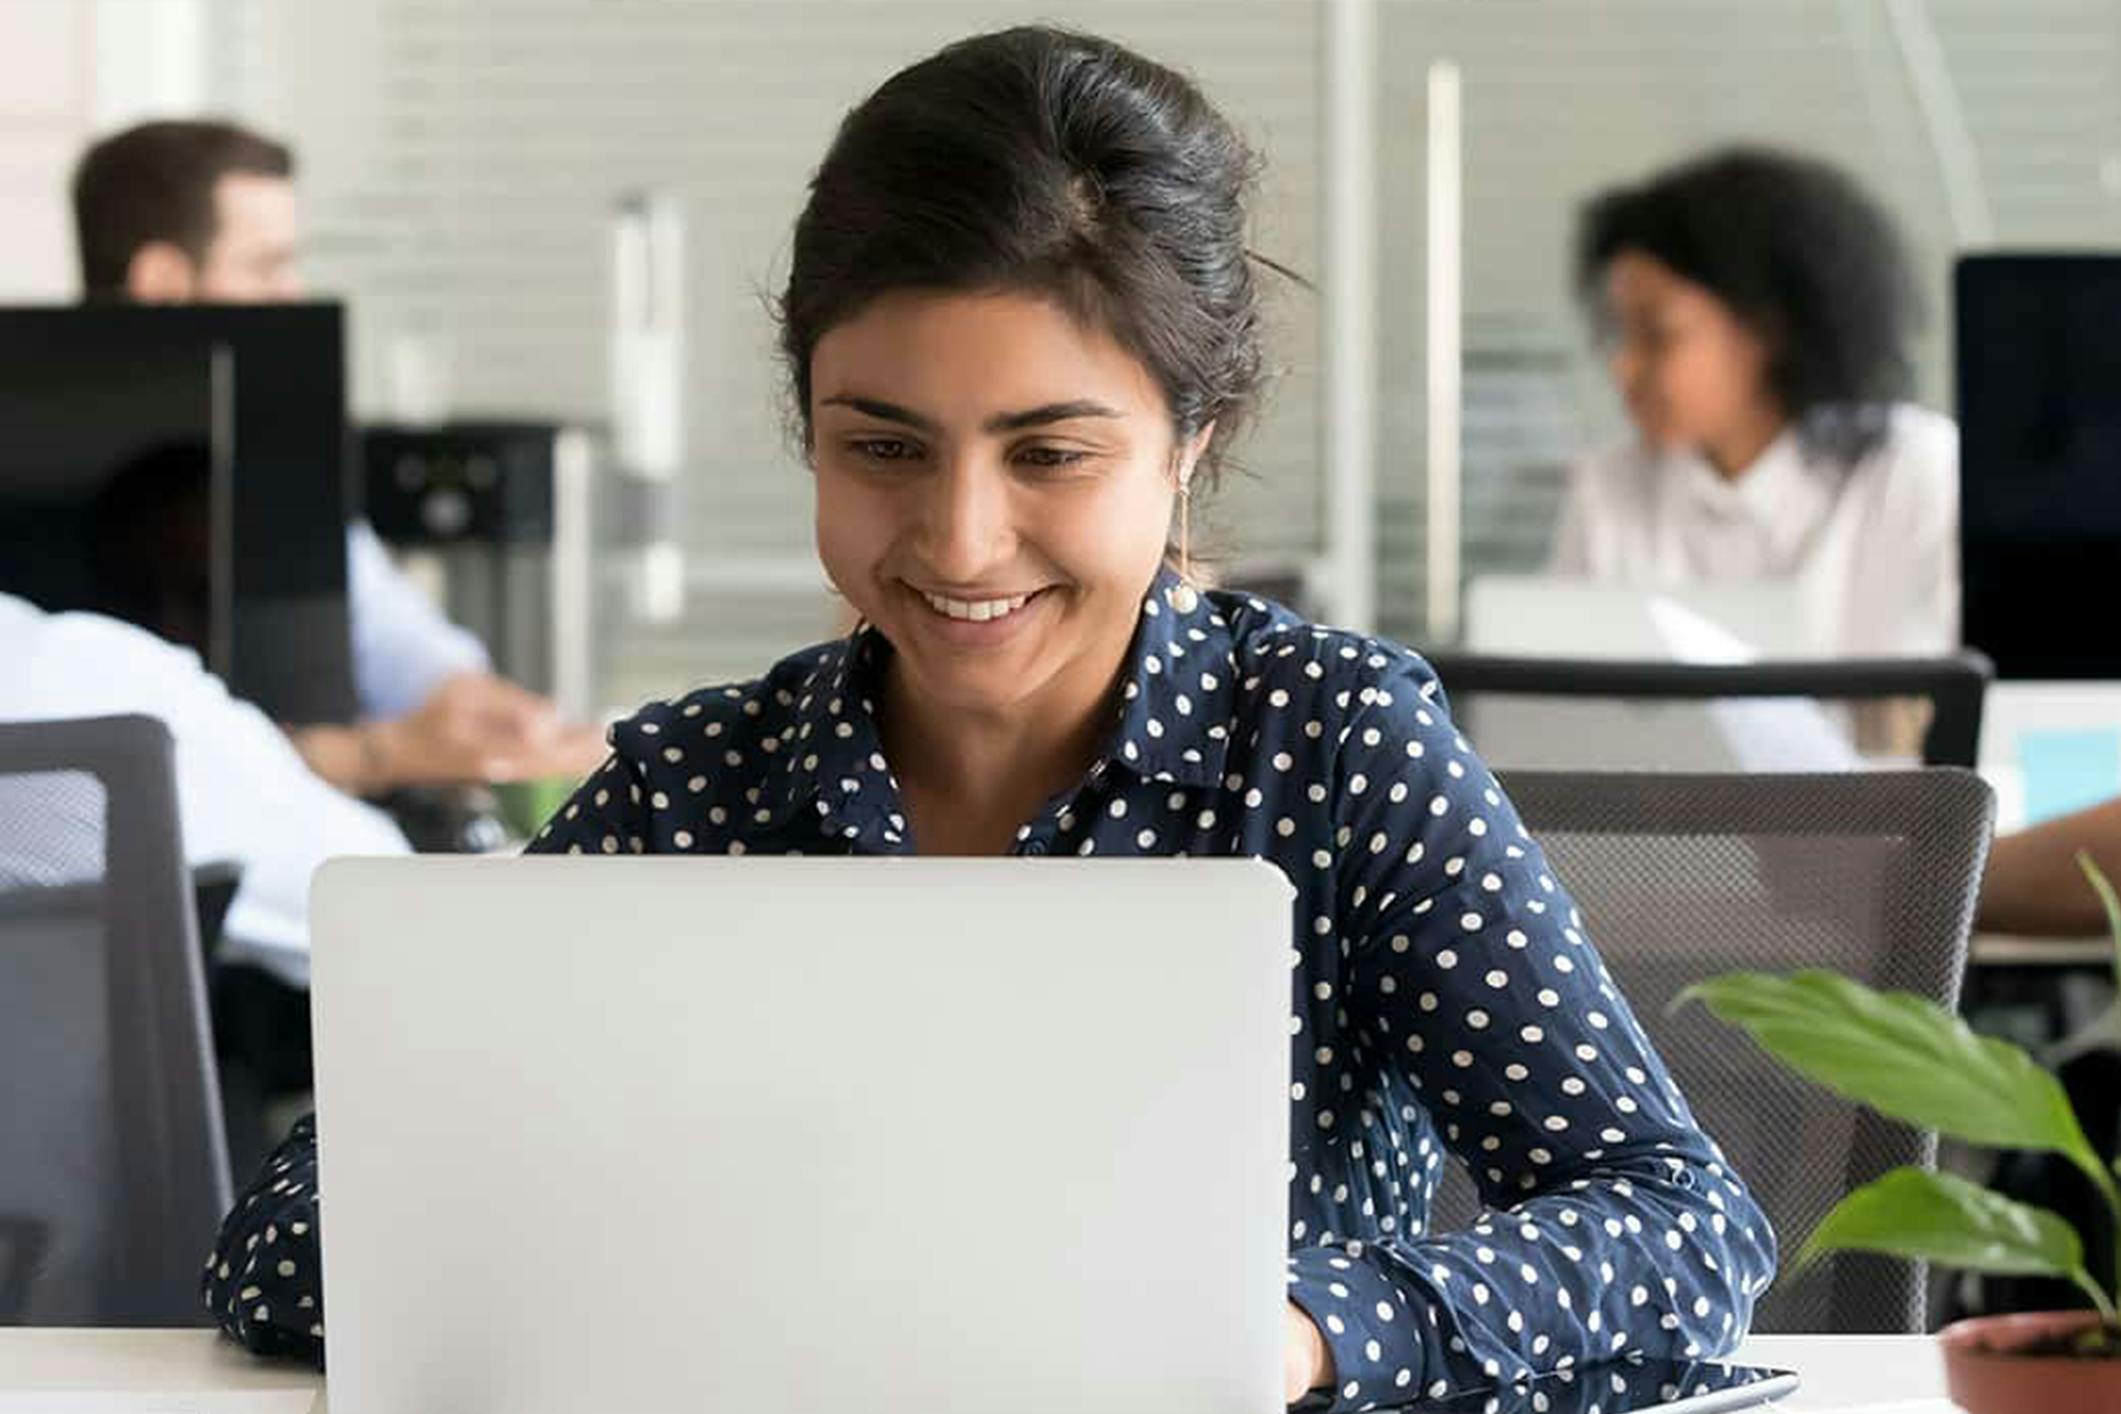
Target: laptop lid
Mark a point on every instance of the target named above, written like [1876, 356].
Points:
[1546, 616]
[656, 1134]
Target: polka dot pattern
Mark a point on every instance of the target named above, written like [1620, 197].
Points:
[261, 1282]
[1445, 998]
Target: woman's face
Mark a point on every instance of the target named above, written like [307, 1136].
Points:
[1689, 370]
[994, 488]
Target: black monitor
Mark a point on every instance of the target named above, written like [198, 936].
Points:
[2039, 354]
[184, 467]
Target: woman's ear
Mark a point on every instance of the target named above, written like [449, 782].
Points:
[1190, 452]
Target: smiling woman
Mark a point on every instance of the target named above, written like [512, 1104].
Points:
[1020, 325]
[1012, 343]
[994, 482]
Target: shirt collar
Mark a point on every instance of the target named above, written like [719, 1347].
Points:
[1784, 495]
[1176, 716]
[1178, 706]
[1761, 494]
[833, 743]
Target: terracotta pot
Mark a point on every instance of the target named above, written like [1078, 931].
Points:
[1985, 1377]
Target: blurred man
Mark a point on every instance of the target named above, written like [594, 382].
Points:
[180, 212]
[242, 792]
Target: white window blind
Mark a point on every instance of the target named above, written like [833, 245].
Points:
[1561, 100]
[461, 158]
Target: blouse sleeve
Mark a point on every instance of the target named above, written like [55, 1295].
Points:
[647, 797]
[1923, 511]
[607, 814]
[262, 1283]
[1613, 1224]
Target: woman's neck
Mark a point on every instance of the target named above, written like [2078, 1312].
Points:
[1739, 449]
[970, 778]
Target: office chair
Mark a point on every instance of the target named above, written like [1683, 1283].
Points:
[114, 1170]
[1681, 877]
[1954, 686]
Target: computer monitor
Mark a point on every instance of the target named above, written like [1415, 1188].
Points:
[2039, 366]
[185, 468]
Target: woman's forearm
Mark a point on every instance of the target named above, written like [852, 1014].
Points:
[2034, 885]
[262, 1283]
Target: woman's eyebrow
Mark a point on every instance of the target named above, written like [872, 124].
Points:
[1051, 412]
[1000, 422]
[877, 408]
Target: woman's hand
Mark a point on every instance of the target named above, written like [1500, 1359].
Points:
[1306, 1363]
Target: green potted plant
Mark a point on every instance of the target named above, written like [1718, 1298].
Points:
[1910, 1059]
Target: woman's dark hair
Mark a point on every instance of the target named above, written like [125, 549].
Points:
[1802, 256]
[1055, 163]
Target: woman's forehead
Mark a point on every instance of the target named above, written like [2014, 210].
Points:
[968, 358]
[1635, 280]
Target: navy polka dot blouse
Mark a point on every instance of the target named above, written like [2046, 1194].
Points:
[1445, 997]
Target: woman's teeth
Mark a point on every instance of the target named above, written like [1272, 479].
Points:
[976, 611]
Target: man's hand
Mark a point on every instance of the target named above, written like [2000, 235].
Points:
[1307, 1364]
[478, 727]
[475, 727]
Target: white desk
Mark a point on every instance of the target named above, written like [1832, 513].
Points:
[51, 1369]
[1879, 1374]
[55, 1368]
[2006, 950]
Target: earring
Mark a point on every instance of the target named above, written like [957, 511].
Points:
[1182, 596]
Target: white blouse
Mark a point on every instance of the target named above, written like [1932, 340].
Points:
[1873, 548]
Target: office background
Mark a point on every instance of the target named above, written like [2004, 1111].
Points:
[461, 160]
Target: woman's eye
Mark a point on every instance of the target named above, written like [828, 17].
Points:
[1049, 458]
[884, 449]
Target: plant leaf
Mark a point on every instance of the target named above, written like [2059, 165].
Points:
[1902, 1055]
[1938, 1217]
[2108, 901]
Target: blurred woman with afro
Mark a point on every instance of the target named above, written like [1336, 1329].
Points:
[1756, 308]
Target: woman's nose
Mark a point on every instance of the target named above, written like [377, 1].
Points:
[1624, 365]
[966, 519]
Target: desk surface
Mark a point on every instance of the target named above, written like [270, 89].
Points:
[2007, 950]
[1876, 1374]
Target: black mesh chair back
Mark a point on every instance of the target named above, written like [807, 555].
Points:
[114, 1166]
[1953, 687]
[1681, 877]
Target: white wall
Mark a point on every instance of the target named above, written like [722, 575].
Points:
[1600, 93]
[149, 59]
[460, 159]
[46, 111]
[460, 163]
[71, 70]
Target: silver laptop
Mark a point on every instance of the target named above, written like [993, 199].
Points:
[1539, 616]
[644, 1135]
[1550, 616]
